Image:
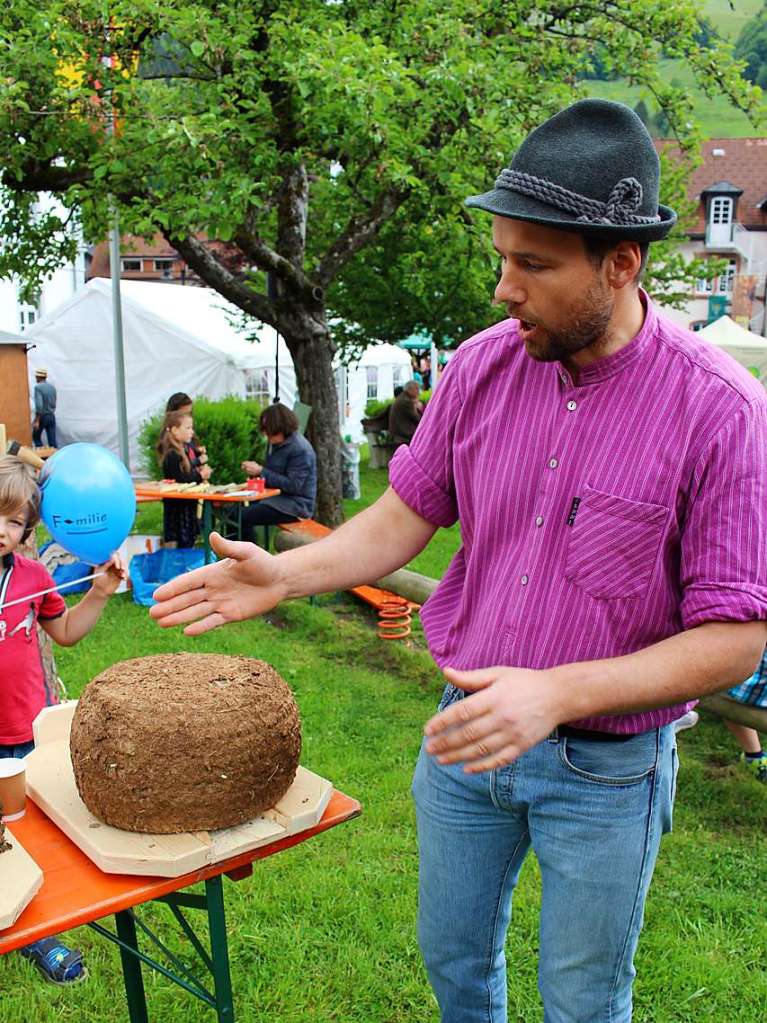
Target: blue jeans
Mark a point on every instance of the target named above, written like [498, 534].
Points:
[16, 751]
[48, 425]
[593, 813]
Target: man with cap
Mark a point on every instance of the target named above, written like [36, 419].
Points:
[45, 410]
[609, 471]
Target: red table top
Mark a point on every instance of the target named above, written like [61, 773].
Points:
[76, 892]
[150, 494]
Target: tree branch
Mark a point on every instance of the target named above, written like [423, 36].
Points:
[44, 176]
[292, 211]
[359, 231]
[210, 269]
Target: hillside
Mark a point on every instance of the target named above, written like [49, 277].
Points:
[716, 117]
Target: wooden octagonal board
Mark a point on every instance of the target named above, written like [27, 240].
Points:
[51, 783]
[20, 880]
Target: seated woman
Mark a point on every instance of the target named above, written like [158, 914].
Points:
[291, 466]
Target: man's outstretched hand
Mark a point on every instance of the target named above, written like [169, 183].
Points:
[245, 583]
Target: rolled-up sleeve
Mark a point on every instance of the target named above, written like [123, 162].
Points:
[422, 473]
[724, 542]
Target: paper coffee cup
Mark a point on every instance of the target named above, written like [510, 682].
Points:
[13, 796]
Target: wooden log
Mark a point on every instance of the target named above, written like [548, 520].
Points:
[741, 713]
[404, 582]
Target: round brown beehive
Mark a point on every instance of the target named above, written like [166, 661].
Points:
[184, 742]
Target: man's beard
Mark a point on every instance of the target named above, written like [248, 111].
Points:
[587, 324]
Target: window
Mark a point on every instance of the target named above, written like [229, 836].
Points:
[130, 265]
[27, 316]
[704, 287]
[371, 373]
[401, 375]
[725, 281]
[257, 385]
[165, 267]
[721, 210]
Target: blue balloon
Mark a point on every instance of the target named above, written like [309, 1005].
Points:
[88, 501]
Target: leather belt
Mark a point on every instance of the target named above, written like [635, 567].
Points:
[569, 732]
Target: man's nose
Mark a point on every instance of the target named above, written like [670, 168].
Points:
[508, 290]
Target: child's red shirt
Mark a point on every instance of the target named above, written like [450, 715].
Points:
[23, 690]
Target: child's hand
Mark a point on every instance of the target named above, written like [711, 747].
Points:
[206, 472]
[114, 572]
[251, 468]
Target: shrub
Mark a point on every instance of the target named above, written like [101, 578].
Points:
[375, 408]
[229, 430]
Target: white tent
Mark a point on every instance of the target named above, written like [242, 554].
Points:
[380, 369]
[747, 348]
[175, 339]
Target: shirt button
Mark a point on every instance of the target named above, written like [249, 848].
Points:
[524, 580]
[572, 406]
[553, 463]
[539, 520]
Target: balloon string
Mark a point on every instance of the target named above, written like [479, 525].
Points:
[41, 593]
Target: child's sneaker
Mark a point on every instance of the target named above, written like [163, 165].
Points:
[756, 766]
[688, 720]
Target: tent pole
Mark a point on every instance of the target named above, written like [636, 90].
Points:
[434, 364]
[117, 335]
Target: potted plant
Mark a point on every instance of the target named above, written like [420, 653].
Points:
[376, 427]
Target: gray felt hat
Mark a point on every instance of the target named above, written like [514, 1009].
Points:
[591, 168]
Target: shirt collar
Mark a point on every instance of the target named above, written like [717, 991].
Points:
[7, 561]
[596, 372]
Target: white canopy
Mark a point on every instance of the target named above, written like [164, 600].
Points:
[176, 338]
[380, 369]
[747, 348]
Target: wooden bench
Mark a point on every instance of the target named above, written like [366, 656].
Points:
[741, 713]
[372, 595]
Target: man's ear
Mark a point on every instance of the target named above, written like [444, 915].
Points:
[623, 264]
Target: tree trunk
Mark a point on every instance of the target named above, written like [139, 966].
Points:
[313, 362]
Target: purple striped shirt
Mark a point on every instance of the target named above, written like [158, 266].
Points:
[597, 517]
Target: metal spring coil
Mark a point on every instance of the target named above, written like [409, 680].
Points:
[394, 618]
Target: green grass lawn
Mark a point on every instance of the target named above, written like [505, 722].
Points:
[324, 933]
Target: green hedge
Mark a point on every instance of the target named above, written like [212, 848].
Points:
[375, 408]
[228, 428]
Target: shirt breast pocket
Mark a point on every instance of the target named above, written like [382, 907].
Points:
[613, 545]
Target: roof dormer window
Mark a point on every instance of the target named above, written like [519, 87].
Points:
[721, 205]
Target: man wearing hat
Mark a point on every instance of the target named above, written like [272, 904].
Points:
[609, 470]
[45, 410]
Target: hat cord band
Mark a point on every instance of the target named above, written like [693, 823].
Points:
[620, 208]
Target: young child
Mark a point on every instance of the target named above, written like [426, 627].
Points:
[754, 693]
[23, 688]
[181, 402]
[179, 462]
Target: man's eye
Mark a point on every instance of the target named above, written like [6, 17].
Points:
[532, 266]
